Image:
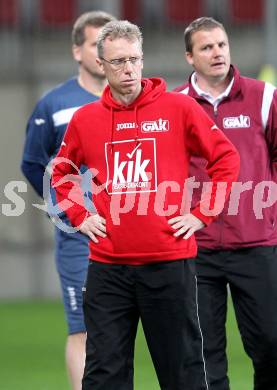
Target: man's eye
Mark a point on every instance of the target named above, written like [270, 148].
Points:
[118, 61]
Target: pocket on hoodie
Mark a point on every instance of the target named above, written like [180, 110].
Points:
[140, 234]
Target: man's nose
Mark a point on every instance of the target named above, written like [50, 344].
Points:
[217, 50]
[128, 67]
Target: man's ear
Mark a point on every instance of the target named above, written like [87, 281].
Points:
[99, 63]
[189, 57]
[76, 52]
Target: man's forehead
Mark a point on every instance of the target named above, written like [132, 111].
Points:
[208, 32]
[121, 44]
[110, 40]
[216, 34]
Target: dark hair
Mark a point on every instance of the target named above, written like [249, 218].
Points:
[94, 19]
[204, 23]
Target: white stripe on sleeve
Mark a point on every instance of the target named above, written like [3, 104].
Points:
[63, 117]
[185, 91]
[267, 100]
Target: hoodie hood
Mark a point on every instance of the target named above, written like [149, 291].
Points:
[151, 90]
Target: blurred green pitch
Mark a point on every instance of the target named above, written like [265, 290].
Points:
[32, 336]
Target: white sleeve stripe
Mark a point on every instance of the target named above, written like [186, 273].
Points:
[185, 91]
[63, 117]
[267, 100]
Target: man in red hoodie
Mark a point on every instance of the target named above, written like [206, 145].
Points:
[239, 248]
[137, 141]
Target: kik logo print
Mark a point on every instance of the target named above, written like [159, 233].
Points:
[131, 166]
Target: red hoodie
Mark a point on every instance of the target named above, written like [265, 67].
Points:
[139, 155]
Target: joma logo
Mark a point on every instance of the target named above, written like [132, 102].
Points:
[123, 126]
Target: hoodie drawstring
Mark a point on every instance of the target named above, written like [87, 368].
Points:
[112, 130]
[136, 124]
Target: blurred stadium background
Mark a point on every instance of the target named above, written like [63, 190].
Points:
[35, 55]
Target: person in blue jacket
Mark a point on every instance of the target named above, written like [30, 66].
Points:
[44, 135]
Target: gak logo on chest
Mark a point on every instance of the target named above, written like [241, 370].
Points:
[236, 122]
[159, 125]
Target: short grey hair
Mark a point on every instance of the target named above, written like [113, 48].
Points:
[204, 23]
[118, 29]
[95, 19]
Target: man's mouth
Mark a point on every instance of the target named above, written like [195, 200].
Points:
[215, 64]
[129, 81]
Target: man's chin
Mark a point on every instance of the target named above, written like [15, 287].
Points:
[220, 75]
[100, 76]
